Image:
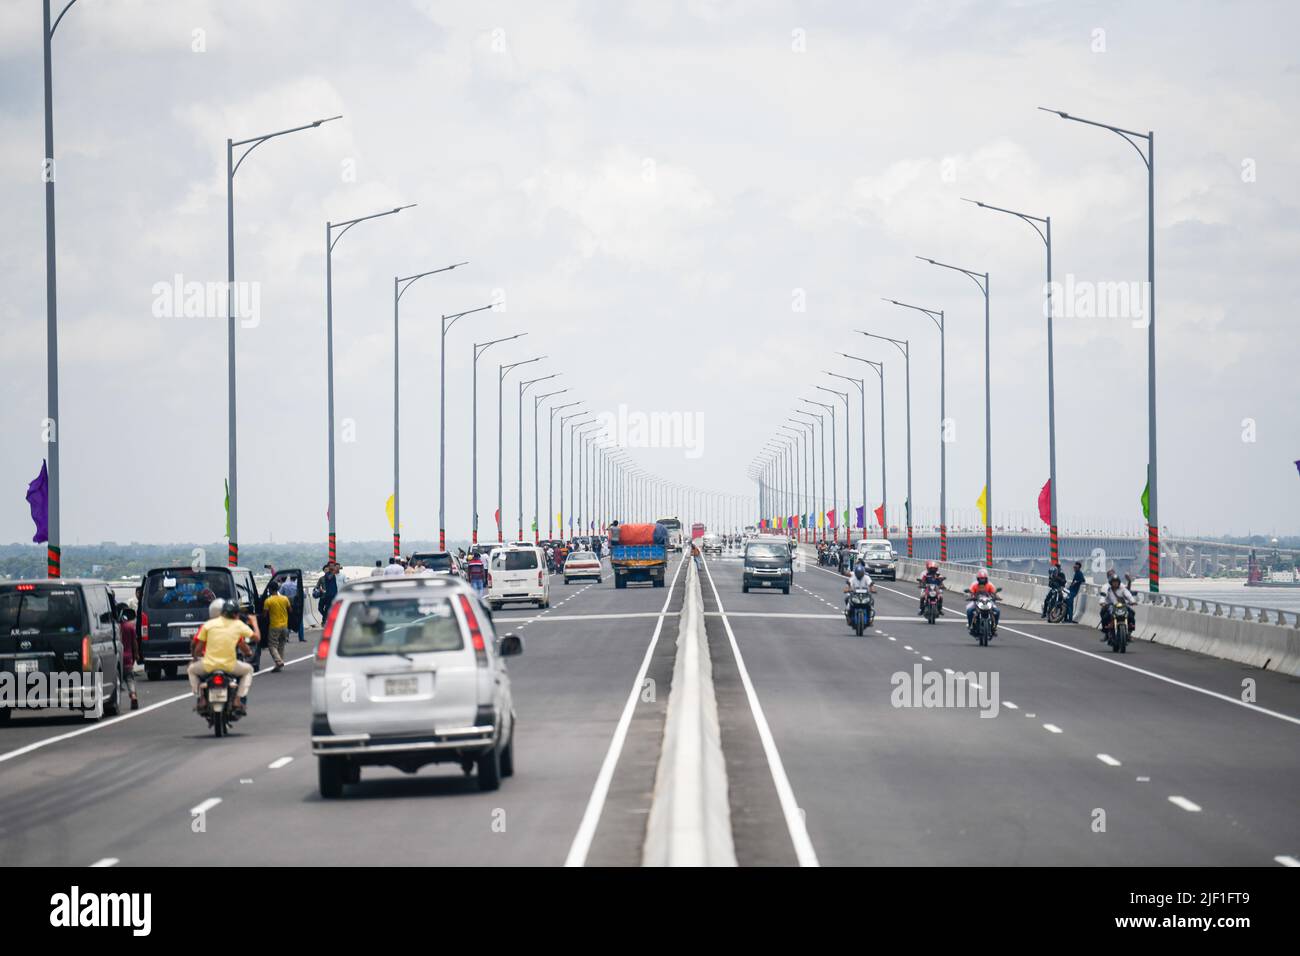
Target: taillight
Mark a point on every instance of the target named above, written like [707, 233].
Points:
[475, 634]
[323, 648]
[85, 653]
[489, 579]
[218, 680]
[539, 578]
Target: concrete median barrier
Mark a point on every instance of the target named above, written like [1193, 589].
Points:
[690, 818]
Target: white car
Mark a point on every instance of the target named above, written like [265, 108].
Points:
[582, 564]
[409, 671]
[712, 544]
[517, 574]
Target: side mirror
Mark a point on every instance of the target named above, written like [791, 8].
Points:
[510, 645]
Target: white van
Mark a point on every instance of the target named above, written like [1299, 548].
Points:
[517, 573]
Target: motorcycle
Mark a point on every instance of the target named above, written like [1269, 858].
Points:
[1119, 628]
[218, 694]
[861, 611]
[1055, 605]
[983, 626]
[933, 601]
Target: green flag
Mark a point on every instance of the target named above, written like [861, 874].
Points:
[1146, 501]
[534, 528]
[227, 482]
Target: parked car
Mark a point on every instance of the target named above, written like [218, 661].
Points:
[517, 573]
[409, 671]
[582, 564]
[175, 605]
[767, 564]
[65, 629]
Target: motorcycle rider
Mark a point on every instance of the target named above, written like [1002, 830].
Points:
[981, 586]
[931, 576]
[216, 648]
[1110, 598]
[1055, 581]
[858, 580]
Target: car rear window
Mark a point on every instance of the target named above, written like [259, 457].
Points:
[434, 562]
[514, 560]
[186, 589]
[582, 556]
[417, 625]
[40, 611]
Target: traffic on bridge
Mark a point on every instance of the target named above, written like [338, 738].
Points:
[880, 522]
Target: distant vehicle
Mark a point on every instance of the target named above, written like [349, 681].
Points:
[636, 557]
[712, 544]
[751, 531]
[767, 564]
[674, 526]
[880, 558]
[61, 627]
[517, 574]
[438, 562]
[697, 531]
[387, 643]
[582, 564]
[176, 605]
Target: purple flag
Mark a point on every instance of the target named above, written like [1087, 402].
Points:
[859, 514]
[38, 496]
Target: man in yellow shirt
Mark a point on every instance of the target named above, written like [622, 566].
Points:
[219, 640]
[276, 606]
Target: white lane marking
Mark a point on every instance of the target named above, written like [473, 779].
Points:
[1185, 804]
[113, 861]
[1143, 779]
[1052, 728]
[1009, 706]
[925, 657]
[1287, 860]
[205, 806]
[907, 647]
[277, 764]
[794, 821]
[581, 845]
[111, 721]
[521, 621]
[1108, 760]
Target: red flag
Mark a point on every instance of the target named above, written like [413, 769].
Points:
[1045, 503]
[497, 514]
[880, 516]
[830, 515]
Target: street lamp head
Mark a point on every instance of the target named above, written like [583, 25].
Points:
[327, 119]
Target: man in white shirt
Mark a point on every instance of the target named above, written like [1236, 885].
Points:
[394, 568]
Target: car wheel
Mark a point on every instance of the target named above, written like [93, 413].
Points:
[786, 589]
[330, 773]
[567, 581]
[744, 588]
[599, 579]
[153, 673]
[489, 770]
[508, 756]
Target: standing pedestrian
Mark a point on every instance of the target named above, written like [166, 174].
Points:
[130, 650]
[1076, 583]
[277, 619]
[328, 588]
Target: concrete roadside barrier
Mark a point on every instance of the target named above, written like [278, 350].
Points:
[690, 816]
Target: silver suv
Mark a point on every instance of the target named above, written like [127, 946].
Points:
[409, 671]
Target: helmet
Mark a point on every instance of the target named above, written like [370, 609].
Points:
[982, 575]
[229, 608]
[931, 566]
[214, 609]
[859, 568]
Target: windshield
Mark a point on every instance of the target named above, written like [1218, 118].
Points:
[403, 626]
[434, 562]
[43, 610]
[762, 551]
[186, 589]
[514, 560]
[878, 548]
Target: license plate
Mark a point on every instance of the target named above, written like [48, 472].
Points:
[186, 631]
[401, 686]
[217, 696]
[26, 666]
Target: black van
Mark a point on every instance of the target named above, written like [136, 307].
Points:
[63, 628]
[767, 565]
[174, 605]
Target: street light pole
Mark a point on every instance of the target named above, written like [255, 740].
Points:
[232, 167]
[821, 511]
[550, 469]
[502, 372]
[848, 450]
[879, 368]
[862, 418]
[537, 402]
[1149, 160]
[981, 279]
[447, 322]
[904, 347]
[834, 467]
[400, 285]
[479, 349]
[1045, 234]
[936, 316]
[524, 387]
[563, 511]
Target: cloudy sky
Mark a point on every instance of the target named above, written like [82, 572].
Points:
[690, 207]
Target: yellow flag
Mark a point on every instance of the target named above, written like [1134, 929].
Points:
[388, 508]
[983, 505]
[821, 520]
[559, 520]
